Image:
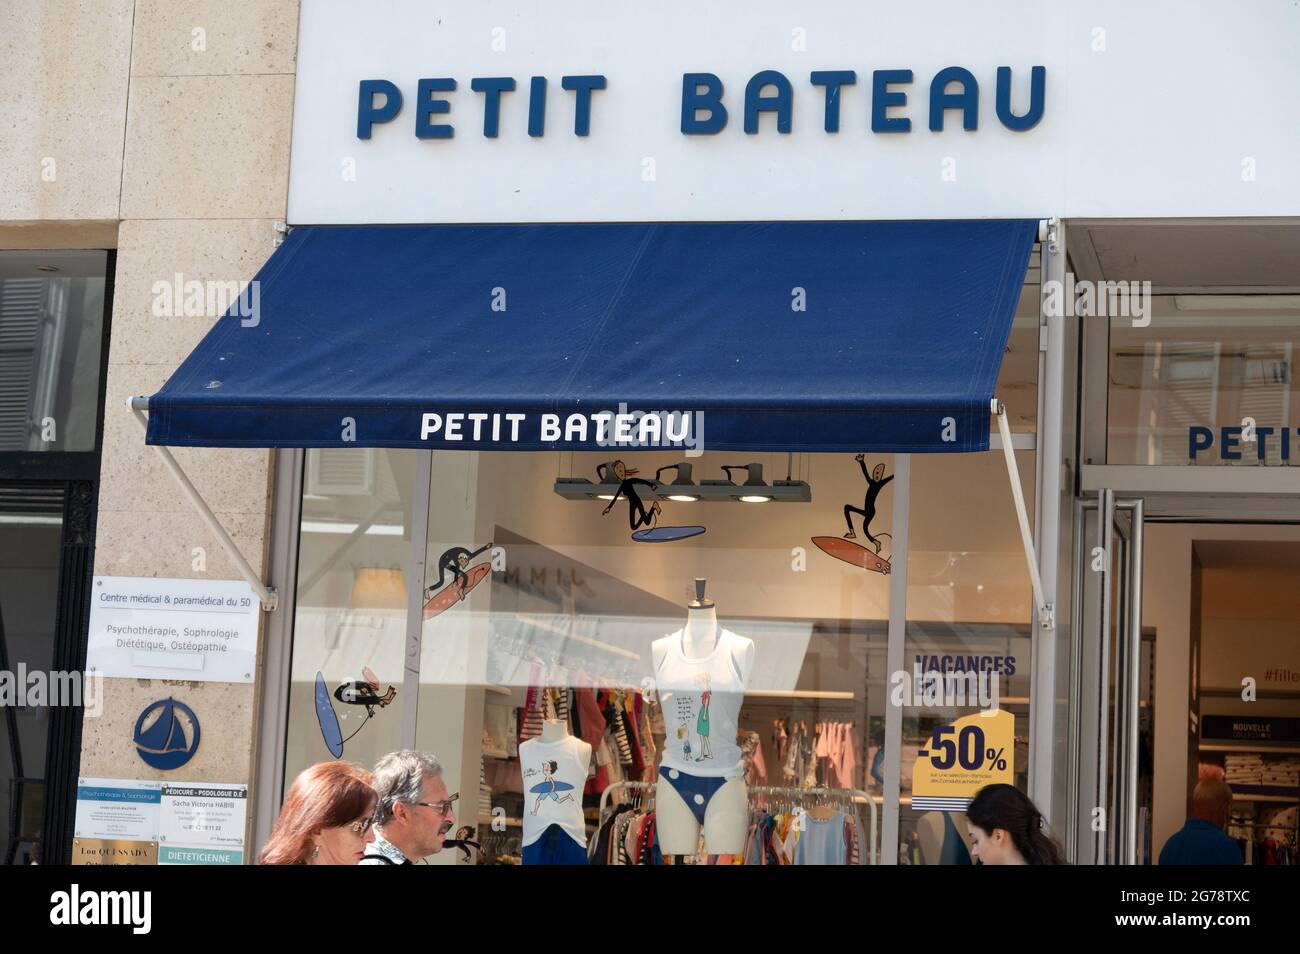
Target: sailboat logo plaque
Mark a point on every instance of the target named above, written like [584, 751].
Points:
[171, 738]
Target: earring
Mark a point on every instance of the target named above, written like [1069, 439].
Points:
[315, 852]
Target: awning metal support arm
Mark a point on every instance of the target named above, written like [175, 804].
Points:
[265, 593]
[1045, 610]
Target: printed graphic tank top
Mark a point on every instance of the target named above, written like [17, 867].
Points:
[701, 700]
[554, 774]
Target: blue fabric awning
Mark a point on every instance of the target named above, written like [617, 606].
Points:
[799, 336]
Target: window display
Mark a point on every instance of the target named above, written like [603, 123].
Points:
[593, 685]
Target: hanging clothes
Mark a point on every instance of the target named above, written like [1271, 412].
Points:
[793, 836]
[751, 757]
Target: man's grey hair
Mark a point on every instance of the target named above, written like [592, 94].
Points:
[399, 777]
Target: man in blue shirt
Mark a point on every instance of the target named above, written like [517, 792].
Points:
[1202, 841]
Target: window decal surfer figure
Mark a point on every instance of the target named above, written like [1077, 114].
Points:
[637, 514]
[454, 561]
[844, 548]
[449, 592]
[876, 481]
[641, 519]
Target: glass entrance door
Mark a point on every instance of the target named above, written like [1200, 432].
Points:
[1108, 680]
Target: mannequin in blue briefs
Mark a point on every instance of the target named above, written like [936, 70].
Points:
[876, 481]
[637, 514]
[686, 803]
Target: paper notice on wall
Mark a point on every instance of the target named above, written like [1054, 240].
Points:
[117, 809]
[962, 758]
[151, 628]
[202, 823]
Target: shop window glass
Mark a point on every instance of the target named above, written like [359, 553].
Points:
[51, 334]
[969, 608]
[1203, 364]
[354, 559]
[567, 616]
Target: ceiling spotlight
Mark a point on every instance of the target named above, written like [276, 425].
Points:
[754, 478]
[682, 489]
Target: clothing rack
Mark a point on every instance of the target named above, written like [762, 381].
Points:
[851, 793]
[623, 785]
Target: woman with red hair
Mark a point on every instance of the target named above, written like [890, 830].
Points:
[325, 819]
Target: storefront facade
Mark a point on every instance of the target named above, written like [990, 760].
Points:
[1150, 308]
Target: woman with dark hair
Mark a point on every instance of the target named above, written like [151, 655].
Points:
[325, 819]
[1006, 829]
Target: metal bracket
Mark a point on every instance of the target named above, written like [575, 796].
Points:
[266, 594]
[1046, 612]
[282, 229]
[1049, 234]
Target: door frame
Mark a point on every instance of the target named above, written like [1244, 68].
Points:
[1113, 582]
[77, 473]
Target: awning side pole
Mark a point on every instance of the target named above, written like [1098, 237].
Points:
[265, 593]
[1046, 615]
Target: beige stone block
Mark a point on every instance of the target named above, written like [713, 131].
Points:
[63, 107]
[157, 316]
[134, 478]
[207, 147]
[225, 714]
[58, 234]
[132, 543]
[214, 37]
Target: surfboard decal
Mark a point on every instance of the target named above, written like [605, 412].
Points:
[666, 534]
[449, 595]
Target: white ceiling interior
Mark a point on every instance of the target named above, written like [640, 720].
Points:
[1228, 256]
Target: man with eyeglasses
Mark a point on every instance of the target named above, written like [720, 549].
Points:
[414, 812]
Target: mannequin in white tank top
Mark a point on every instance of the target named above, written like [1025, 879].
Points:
[723, 802]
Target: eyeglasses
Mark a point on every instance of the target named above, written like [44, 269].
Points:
[442, 807]
[361, 827]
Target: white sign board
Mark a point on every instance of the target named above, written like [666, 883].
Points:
[152, 628]
[202, 823]
[117, 809]
[568, 111]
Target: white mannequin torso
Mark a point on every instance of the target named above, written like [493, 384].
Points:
[554, 771]
[697, 643]
[700, 635]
